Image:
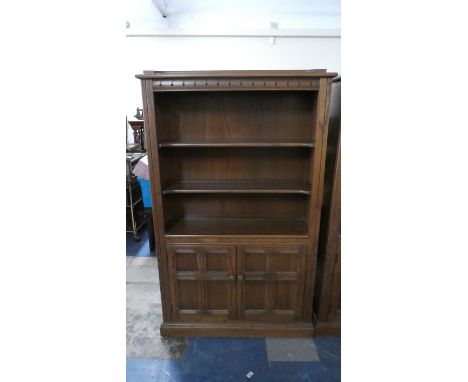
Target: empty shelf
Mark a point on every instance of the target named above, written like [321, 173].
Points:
[239, 186]
[239, 226]
[236, 144]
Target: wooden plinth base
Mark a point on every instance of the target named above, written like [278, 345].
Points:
[328, 329]
[179, 329]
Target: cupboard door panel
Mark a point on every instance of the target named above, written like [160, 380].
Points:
[270, 283]
[202, 282]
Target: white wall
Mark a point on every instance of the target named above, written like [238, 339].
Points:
[218, 53]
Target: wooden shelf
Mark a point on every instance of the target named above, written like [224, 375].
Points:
[237, 186]
[239, 226]
[236, 144]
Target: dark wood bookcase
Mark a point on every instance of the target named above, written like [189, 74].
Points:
[327, 301]
[237, 164]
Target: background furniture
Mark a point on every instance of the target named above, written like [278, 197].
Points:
[327, 309]
[138, 134]
[236, 166]
[134, 201]
[137, 212]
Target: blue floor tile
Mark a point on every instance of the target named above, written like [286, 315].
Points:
[329, 349]
[295, 372]
[216, 359]
[230, 359]
[143, 370]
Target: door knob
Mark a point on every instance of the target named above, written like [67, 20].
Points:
[240, 278]
[232, 278]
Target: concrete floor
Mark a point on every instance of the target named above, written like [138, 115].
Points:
[151, 357]
[144, 314]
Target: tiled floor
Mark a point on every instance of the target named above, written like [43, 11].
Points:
[140, 248]
[151, 357]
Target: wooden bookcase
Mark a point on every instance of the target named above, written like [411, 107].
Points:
[327, 301]
[236, 164]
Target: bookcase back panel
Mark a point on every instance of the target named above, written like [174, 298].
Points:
[235, 214]
[235, 164]
[235, 205]
[235, 116]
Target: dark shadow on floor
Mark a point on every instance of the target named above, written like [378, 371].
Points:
[141, 248]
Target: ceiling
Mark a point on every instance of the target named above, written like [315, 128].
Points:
[240, 14]
[276, 6]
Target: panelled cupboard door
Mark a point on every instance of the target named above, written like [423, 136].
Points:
[270, 283]
[202, 279]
